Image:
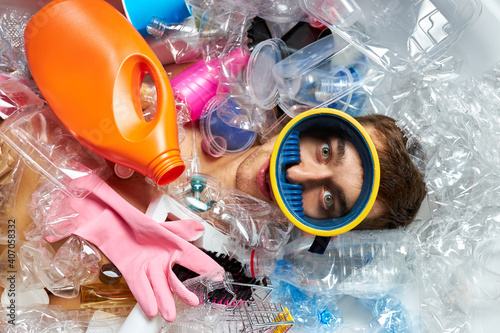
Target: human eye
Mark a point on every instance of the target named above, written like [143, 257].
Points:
[328, 199]
[325, 150]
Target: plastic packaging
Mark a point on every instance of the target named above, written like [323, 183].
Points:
[332, 78]
[367, 264]
[281, 11]
[479, 277]
[198, 192]
[311, 313]
[198, 83]
[16, 96]
[219, 138]
[237, 107]
[55, 317]
[400, 36]
[104, 115]
[11, 170]
[218, 26]
[456, 125]
[75, 263]
[180, 42]
[13, 21]
[250, 221]
[47, 147]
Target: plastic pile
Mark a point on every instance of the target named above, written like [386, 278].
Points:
[440, 274]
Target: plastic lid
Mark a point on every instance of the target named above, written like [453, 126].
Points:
[261, 83]
[123, 172]
[220, 138]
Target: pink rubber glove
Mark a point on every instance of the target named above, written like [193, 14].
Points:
[142, 249]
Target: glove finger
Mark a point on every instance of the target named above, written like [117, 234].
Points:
[181, 291]
[189, 230]
[141, 289]
[198, 261]
[163, 294]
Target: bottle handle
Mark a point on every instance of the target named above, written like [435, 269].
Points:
[127, 96]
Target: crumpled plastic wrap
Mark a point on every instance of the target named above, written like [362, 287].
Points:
[457, 126]
[250, 221]
[75, 263]
[12, 25]
[54, 318]
[11, 169]
[49, 149]
[453, 129]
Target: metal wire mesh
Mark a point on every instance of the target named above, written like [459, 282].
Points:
[257, 317]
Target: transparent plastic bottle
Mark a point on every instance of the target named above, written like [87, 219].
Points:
[357, 263]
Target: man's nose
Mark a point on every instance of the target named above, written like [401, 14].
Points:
[302, 173]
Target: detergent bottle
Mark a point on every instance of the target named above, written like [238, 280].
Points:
[89, 62]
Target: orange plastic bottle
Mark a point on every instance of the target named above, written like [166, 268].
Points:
[89, 62]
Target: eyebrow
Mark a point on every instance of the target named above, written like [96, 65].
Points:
[342, 200]
[340, 149]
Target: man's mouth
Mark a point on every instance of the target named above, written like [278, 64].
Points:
[263, 181]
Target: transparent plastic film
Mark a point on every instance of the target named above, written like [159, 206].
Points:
[11, 170]
[16, 96]
[47, 147]
[12, 24]
[58, 318]
[182, 40]
[237, 107]
[198, 192]
[400, 36]
[252, 222]
[451, 127]
[75, 263]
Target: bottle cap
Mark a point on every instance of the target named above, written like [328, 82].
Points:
[123, 172]
[109, 274]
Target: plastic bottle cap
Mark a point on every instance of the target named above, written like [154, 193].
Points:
[109, 274]
[123, 172]
[261, 83]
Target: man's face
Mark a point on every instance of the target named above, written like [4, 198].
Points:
[330, 172]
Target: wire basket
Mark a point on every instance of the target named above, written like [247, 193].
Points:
[256, 317]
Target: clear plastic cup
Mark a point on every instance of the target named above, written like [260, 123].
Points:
[220, 138]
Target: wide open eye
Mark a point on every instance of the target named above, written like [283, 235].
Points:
[328, 199]
[325, 150]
